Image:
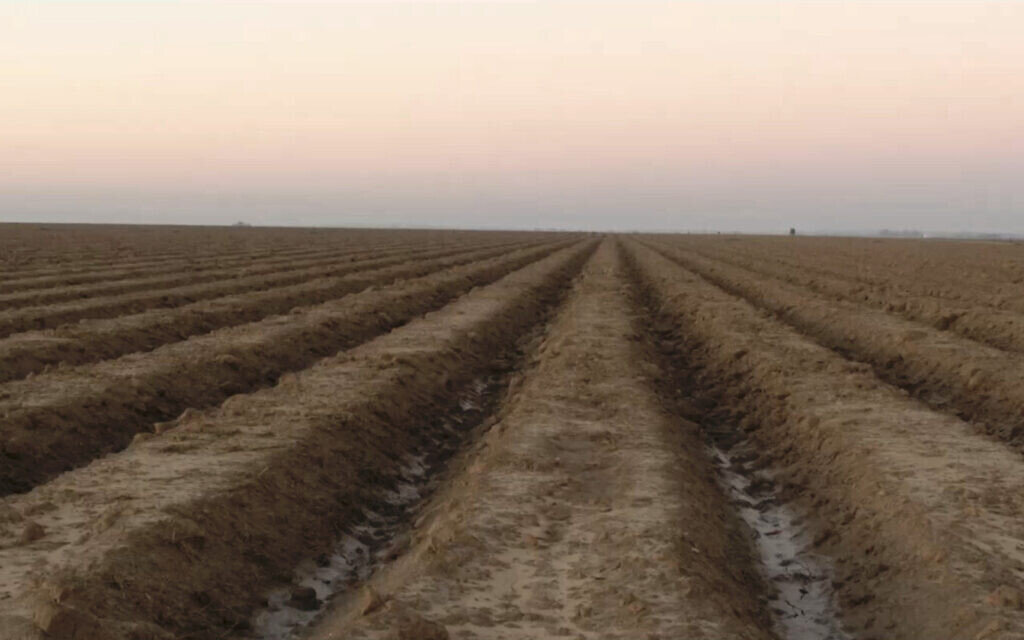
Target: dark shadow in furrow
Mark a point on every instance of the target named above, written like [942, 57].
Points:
[72, 269]
[380, 535]
[103, 262]
[366, 483]
[99, 339]
[973, 321]
[21, 292]
[21, 319]
[192, 275]
[803, 602]
[73, 440]
[944, 390]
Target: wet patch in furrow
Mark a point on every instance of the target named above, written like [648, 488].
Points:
[588, 510]
[804, 603]
[185, 535]
[380, 536]
[918, 513]
[801, 599]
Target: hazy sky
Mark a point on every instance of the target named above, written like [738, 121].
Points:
[753, 116]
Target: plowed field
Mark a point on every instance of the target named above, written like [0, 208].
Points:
[415, 435]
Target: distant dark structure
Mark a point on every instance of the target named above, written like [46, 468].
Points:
[792, 231]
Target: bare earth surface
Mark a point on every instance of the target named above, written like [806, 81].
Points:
[588, 513]
[288, 434]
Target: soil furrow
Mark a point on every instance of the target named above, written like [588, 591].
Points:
[94, 340]
[64, 419]
[68, 277]
[971, 380]
[71, 262]
[71, 265]
[166, 246]
[966, 272]
[50, 316]
[588, 510]
[179, 535]
[994, 327]
[919, 513]
[188, 273]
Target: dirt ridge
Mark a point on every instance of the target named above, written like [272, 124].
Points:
[588, 511]
[100, 339]
[923, 540]
[64, 419]
[190, 274]
[230, 500]
[971, 380]
[75, 247]
[48, 316]
[242, 259]
[977, 321]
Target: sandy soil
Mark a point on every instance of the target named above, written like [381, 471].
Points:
[103, 306]
[589, 512]
[433, 434]
[56, 249]
[972, 312]
[973, 380]
[228, 501]
[918, 510]
[107, 338]
[19, 293]
[66, 418]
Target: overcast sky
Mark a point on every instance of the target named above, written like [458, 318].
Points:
[750, 116]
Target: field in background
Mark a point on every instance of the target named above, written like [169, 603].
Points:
[318, 433]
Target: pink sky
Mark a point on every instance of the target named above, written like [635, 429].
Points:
[754, 115]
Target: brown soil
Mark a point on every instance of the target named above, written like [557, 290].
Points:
[974, 381]
[101, 339]
[117, 276]
[63, 419]
[228, 501]
[589, 511]
[18, 294]
[970, 312]
[35, 249]
[918, 511]
[627, 435]
[982, 273]
[55, 315]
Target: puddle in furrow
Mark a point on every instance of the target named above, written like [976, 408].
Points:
[804, 604]
[292, 608]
